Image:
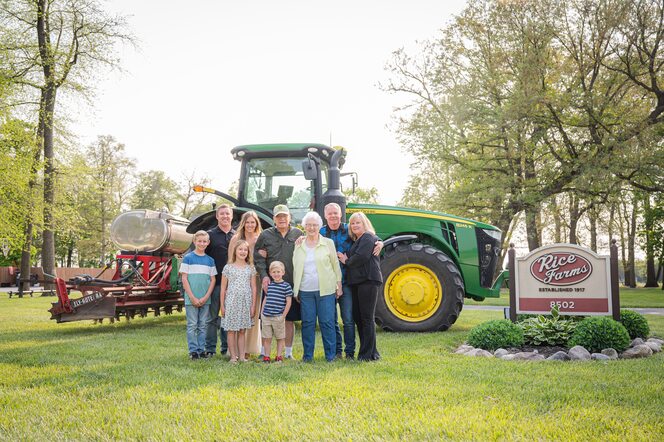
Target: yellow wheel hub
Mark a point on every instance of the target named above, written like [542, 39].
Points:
[413, 292]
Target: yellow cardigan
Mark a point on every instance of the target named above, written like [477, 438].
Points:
[327, 266]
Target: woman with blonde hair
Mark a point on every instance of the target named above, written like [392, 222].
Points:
[365, 279]
[248, 230]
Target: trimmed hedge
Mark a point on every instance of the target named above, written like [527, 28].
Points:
[495, 334]
[599, 332]
[635, 323]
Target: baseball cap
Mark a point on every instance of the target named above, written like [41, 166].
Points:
[280, 209]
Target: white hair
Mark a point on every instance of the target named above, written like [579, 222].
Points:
[312, 217]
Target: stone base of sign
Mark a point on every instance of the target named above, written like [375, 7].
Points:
[638, 349]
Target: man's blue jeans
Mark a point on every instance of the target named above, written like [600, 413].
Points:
[196, 324]
[346, 309]
[313, 306]
[213, 324]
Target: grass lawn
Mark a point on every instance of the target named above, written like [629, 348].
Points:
[133, 381]
[638, 297]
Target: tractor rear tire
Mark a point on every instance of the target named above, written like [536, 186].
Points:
[422, 290]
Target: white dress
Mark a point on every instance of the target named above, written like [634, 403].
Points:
[238, 297]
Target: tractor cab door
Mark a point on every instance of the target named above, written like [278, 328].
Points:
[267, 182]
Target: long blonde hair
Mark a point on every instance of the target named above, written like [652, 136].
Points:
[232, 254]
[365, 222]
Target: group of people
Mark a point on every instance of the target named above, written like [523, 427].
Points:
[241, 285]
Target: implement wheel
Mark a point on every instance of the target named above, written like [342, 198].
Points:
[422, 290]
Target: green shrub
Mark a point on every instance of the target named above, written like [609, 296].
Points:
[547, 330]
[599, 332]
[495, 334]
[635, 323]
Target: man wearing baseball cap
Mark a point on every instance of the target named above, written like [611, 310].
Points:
[277, 244]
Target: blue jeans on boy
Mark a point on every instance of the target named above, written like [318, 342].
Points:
[313, 306]
[346, 307]
[196, 326]
[213, 324]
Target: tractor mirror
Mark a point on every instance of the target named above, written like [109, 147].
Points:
[310, 169]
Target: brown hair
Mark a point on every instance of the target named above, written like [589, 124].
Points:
[240, 228]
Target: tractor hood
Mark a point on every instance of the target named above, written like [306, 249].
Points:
[404, 211]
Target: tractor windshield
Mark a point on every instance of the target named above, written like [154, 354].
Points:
[272, 181]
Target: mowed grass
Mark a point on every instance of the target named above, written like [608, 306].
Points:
[638, 297]
[133, 381]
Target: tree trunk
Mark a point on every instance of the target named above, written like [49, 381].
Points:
[651, 276]
[558, 226]
[532, 231]
[592, 217]
[573, 218]
[48, 234]
[631, 239]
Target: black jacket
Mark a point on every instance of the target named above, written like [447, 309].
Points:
[362, 266]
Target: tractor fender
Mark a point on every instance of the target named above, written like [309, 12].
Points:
[395, 240]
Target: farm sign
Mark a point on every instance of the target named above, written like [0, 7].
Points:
[573, 278]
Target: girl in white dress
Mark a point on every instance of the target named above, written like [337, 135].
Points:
[238, 297]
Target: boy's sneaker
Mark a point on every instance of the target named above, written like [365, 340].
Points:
[193, 355]
[207, 355]
[279, 359]
[267, 358]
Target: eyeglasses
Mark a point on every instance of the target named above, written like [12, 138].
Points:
[310, 226]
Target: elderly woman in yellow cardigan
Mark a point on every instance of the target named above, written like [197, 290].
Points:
[316, 285]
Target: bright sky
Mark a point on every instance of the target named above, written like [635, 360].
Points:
[211, 75]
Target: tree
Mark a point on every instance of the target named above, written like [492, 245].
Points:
[155, 191]
[362, 195]
[190, 202]
[55, 45]
[519, 102]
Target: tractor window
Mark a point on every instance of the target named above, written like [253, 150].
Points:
[272, 181]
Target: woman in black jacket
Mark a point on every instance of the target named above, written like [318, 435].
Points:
[364, 278]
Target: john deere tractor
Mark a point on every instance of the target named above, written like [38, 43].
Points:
[430, 261]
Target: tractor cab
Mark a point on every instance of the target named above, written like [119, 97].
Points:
[292, 174]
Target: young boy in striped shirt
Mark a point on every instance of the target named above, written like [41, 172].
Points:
[198, 274]
[277, 302]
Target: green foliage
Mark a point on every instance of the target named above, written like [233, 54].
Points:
[600, 332]
[502, 96]
[155, 191]
[551, 330]
[635, 323]
[496, 334]
[362, 195]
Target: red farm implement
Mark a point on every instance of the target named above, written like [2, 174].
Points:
[145, 280]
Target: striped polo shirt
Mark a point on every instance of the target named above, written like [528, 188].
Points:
[275, 299]
[199, 269]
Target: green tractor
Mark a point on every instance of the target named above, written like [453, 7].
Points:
[430, 261]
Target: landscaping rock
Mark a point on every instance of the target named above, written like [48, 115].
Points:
[507, 357]
[578, 353]
[611, 353]
[558, 356]
[528, 356]
[654, 346]
[639, 351]
[479, 353]
[500, 352]
[637, 341]
[599, 357]
[464, 349]
[657, 340]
